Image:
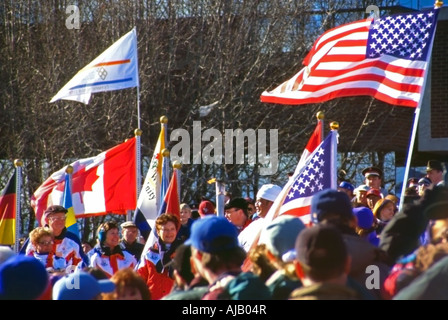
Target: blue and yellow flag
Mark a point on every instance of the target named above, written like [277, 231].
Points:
[70, 223]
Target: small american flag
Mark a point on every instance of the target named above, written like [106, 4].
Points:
[384, 58]
[318, 173]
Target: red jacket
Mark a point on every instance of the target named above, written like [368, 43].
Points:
[152, 270]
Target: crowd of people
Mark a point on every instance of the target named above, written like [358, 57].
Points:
[359, 245]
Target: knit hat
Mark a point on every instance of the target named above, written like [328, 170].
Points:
[269, 192]
[281, 234]
[22, 278]
[321, 247]
[206, 207]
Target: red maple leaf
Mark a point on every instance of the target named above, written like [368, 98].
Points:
[83, 180]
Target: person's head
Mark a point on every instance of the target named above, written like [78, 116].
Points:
[332, 206]
[129, 285]
[87, 246]
[129, 231]
[281, 234]
[181, 263]
[262, 265]
[206, 207]
[346, 187]
[236, 211]
[360, 194]
[42, 239]
[265, 198]
[364, 218]
[108, 234]
[412, 183]
[55, 216]
[81, 286]
[250, 206]
[215, 246]
[434, 171]
[167, 226]
[185, 213]
[321, 255]
[22, 278]
[437, 213]
[394, 199]
[423, 184]
[384, 209]
[373, 177]
[372, 196]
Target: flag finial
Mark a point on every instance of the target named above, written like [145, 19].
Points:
[166, 153]
[138, 132]
[69, 169]
[177, 164]
[18, 162]
[320, 115]
[438, 4]
[163, 119]
[334, 125]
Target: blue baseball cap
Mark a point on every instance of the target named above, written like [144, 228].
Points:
[81, 286]
[330, 201]
[346, 185]
[365, 217]
[282, 233]
[213, 234]
[22, 278]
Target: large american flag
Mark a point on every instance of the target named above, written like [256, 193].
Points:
[385, 58]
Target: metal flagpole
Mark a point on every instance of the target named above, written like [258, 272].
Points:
[18, 164]
[437, 5]
[177, 166]
[137, 133]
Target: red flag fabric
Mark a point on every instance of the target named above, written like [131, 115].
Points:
[313, 143]
[385, 58]
[102, 184]
[171, 202]
[8, 212]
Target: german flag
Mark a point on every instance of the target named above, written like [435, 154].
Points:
[8, 212]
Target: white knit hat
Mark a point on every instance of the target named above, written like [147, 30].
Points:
[269, 192]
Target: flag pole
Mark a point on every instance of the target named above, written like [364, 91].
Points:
[18, 163]
[137, 133]
[159, 198]
[437, 5]
[177, 166]
[320, 118]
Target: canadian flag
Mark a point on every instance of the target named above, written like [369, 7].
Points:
[102, 184]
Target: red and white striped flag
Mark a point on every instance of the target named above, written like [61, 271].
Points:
[385, 58]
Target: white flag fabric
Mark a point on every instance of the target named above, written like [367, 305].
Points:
[114, 69]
